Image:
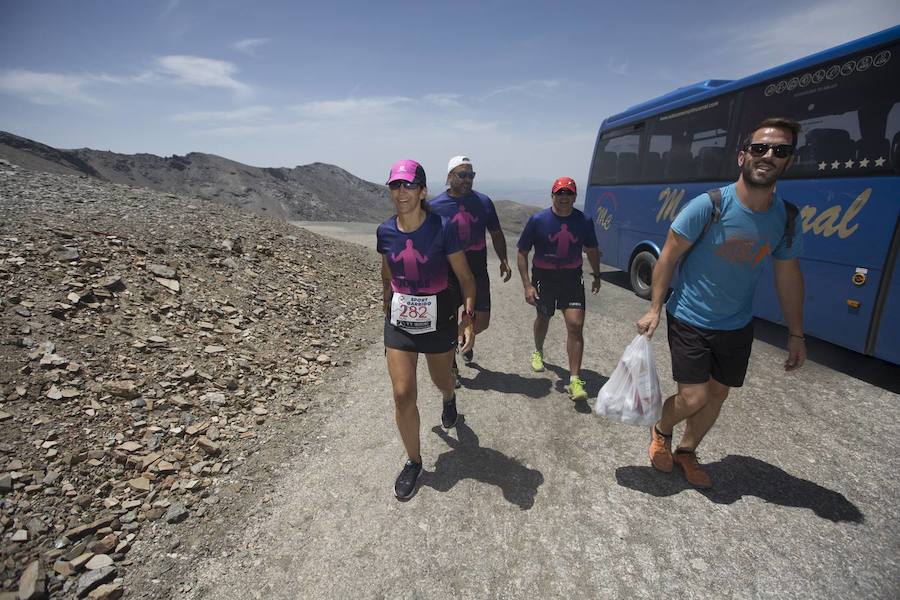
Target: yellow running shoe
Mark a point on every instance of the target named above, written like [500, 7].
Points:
[576, 389]
[537, 361]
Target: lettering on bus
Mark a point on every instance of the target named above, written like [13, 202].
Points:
[832, 220]
[604, 218]
[669, 199]
[604, 213]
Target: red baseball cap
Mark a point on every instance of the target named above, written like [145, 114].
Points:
[564, 183]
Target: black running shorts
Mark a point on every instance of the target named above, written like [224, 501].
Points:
[482, 290]
[698, 354]
[558, 289]
[443, 339]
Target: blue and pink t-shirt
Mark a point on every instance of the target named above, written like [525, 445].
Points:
[471, 215]
[558, 241]
[418, 260]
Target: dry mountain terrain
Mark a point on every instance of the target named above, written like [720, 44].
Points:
[315, 192]
[310, 192]
[149, 343]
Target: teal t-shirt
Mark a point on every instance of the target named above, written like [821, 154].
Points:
[719, 274]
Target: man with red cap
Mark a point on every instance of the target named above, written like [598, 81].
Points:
[558, 235]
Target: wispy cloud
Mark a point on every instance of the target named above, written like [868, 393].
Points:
[170, 6]
[445, 100]
[617, 67]
[223, 116]
[352, 107]
[536, 87]
[473, 125]
[47, 88]
[770, 42]
[250, 45]
[203, 72]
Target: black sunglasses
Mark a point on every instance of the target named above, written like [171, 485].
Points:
[465, 174]
[779, 150]
[410, 185]
[565, 192]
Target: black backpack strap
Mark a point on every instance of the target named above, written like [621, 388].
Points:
[715, 195]
[790, 225]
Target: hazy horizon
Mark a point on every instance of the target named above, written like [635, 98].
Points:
[347, 83]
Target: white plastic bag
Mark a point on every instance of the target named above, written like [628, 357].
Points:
[632, 393]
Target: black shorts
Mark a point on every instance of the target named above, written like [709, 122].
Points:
[558, 289]
[443, 339]
[698, 353]
[482, 290]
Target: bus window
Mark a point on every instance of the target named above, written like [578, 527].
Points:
[849, 112]
[688, 145]
[616, 159]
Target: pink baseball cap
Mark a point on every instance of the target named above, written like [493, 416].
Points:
[407, 170]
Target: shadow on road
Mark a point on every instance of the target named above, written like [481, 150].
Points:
[618, 278]
[872, 370]
[466, 459]
[507, 383]
[593, 381]
[737, 476]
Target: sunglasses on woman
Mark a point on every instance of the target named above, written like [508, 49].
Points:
[565, 192]
[779, 150]
[409, 185]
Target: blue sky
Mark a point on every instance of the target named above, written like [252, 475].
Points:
[521, 87]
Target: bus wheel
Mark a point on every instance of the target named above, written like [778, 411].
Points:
[641, 271]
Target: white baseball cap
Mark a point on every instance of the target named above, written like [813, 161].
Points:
[456, 161]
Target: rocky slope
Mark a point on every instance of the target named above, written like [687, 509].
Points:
[148, 344]
[316, 192]
[513, 216]
[312, 192]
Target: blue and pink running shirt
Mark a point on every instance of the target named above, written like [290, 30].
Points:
[418, 260]
[557, 241]
[471, 215]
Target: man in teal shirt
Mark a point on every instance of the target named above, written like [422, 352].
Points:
[710, 312]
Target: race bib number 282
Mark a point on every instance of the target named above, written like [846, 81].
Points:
[414, 314]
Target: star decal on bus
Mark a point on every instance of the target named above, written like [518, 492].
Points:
[822, 165]
[849, 164]
[836, 164]
[864, 163]
[879, 162]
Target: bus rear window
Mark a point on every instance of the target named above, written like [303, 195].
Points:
[616, 159]
[689, 144]
[849, 112]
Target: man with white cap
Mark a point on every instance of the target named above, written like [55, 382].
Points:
[473, 213]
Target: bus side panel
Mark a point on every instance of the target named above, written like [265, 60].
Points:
[606, 228]
[848, 225]
[825, 310]
[886, 344]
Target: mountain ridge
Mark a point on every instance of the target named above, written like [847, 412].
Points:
[313, 192]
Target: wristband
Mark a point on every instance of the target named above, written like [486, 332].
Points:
[797, 336]
[596, 275]
[470, 314]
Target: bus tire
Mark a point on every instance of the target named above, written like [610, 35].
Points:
[641, 272]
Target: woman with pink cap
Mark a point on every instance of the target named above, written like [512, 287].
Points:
[418, 248]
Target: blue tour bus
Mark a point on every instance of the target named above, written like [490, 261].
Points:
[651, 159]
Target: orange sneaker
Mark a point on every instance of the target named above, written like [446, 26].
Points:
[693, 472]
[660, 451]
